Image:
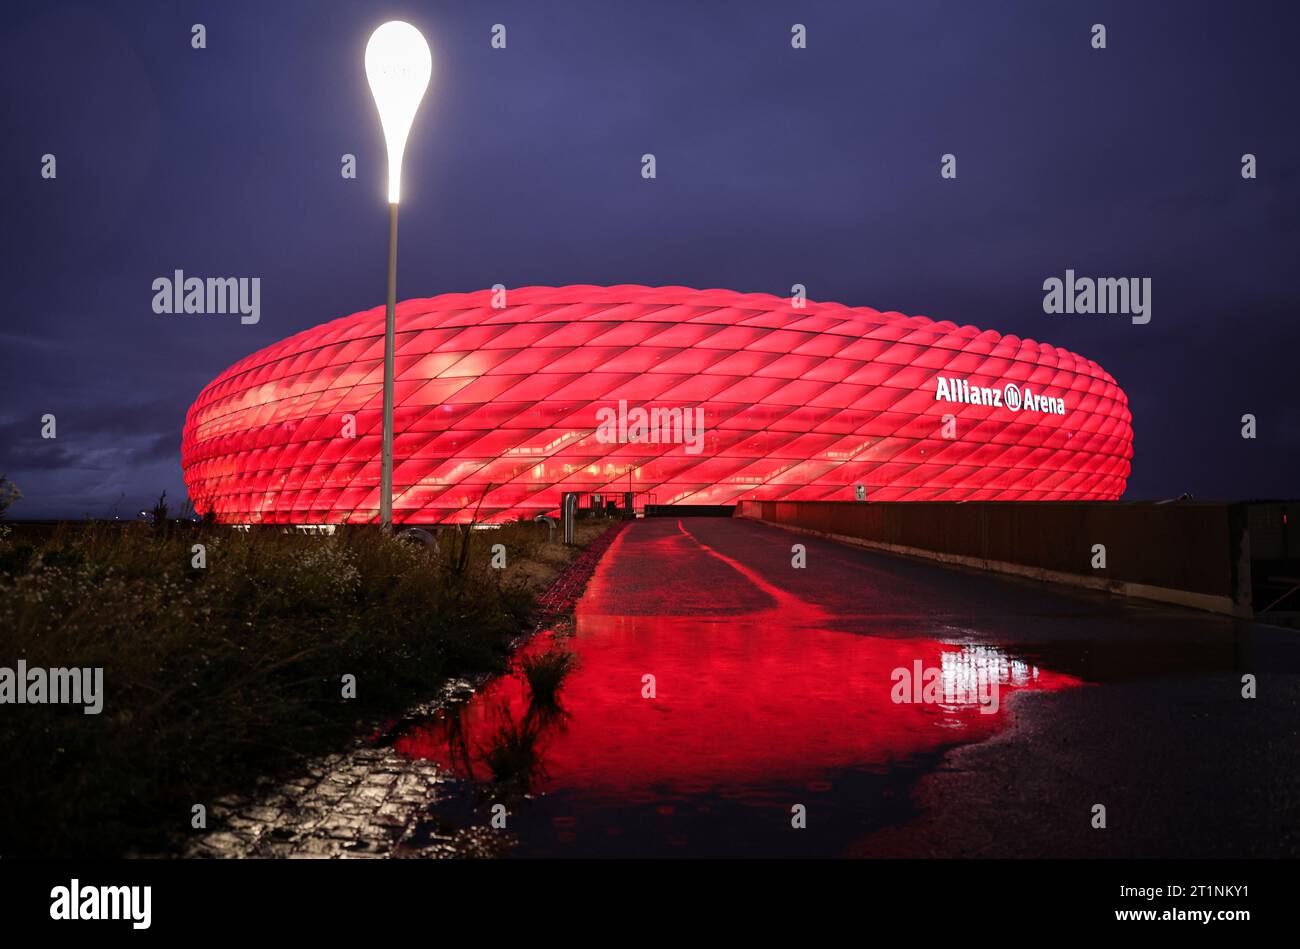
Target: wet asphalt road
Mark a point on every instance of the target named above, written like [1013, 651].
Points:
[1153, 725]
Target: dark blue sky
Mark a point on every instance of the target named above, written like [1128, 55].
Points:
[775, 166]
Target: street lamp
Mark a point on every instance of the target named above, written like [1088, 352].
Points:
[398, 66]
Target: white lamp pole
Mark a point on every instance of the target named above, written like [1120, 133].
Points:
[398, 66]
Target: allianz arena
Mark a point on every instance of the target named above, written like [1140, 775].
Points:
[680, 396]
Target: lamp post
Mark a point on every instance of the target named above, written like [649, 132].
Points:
[398, 66]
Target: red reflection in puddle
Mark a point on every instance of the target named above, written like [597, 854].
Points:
[745, 698]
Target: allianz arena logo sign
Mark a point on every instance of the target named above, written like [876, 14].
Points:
[1009, 396]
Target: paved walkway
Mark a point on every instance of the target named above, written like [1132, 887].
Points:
[774, 689]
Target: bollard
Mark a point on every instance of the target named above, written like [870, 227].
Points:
[550, 523]
[568, 512]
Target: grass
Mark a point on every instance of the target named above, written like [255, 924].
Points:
[512, 753]
[215, 676]
[546, 672]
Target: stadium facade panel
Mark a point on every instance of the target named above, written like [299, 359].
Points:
[681, 396]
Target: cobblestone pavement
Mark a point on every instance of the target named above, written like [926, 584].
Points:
[369, 801]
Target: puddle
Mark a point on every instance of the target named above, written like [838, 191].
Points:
[758, 707]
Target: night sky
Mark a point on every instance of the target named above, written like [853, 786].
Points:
[776, 166]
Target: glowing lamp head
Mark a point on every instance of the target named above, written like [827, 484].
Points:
[398, 66]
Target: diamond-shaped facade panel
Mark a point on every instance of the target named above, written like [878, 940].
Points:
[681, 396]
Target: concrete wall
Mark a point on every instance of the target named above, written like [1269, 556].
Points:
[1189, 553]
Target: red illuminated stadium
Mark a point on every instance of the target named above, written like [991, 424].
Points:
[680, 396]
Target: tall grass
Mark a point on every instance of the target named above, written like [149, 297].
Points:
[214, 676]
[546, 672]
[512, 753]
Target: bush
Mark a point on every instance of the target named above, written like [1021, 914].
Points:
[214, 676]
[9, 493]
